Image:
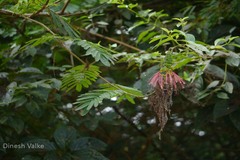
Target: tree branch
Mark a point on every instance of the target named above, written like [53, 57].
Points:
[129, 122]
[65, 6]
[142, 133]
[43, 7]
[71, 53]
[44, 26]
[112, 40]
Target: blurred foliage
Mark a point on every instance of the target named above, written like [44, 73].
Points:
[74, 78]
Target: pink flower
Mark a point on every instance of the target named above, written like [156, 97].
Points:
[161, 99]
[168, 81]
[157, 81]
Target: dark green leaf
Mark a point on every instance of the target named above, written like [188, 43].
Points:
[90, 154]
[16, 123]
[64, 135]
[222, 108]
[87, 142]
[51, 156]
[29, 157]
[204, 116]
[34, 109]
[222, 95]
[61, 24]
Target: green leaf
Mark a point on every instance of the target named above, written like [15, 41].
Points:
[222, 95]
[40, 93]
[34, 109]
[29, 157]
[62, 25]
[232, 61]
[90, 154]
[64, 136]
[51, 156]
[88, 142]
[16, 123]
[55, 83]
[31, 70]
[202, 95]
[146, 34]
[213, 84]
[190, 37]
[182, 63]
[130, 99]
[98, 52]
[219, 41]
[198, 48]
[228, 86]
[136, 25]
[43, 39]
[79, 77]
[162, 42]
[220, 73]
[4, 75]
[92, 99]
[3, 119]
[130, 91]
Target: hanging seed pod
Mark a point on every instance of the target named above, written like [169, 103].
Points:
[161, 99]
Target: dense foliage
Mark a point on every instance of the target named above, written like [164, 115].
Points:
[108, 79]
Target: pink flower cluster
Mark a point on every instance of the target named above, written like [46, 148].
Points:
[170, 79]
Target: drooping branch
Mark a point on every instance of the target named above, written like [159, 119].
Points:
[142, 133]
[112, 40]
[7, 12]
[175, 147]
[129, 122]
[40, 10]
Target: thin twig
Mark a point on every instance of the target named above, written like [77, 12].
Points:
[7, 12]
[129, 121]
[71, 53]
[43, 7]
[39, 23]
[44, 26]
[142, 133]
[112, 40]
[65, 6]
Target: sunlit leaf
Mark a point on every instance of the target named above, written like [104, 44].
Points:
[79, 77]
[228, 86]
[213, 84]
[222, 95]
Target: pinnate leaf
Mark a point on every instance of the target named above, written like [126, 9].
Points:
[79, 77]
